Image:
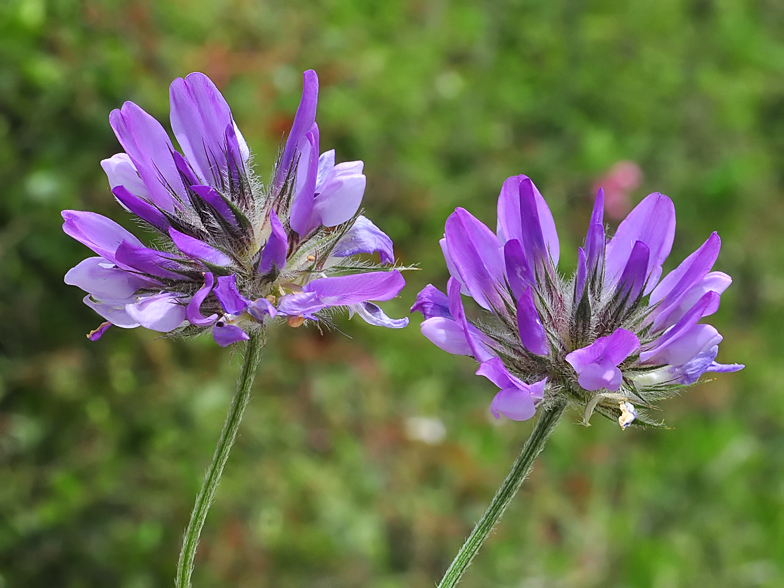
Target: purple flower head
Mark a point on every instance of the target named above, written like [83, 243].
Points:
[615, 337]
[230, 254]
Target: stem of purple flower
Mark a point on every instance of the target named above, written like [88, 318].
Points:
[207, 493]
[520, 470]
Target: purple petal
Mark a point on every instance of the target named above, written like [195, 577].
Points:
[516, 400]
[103, 280]
[150, 150]
[113, 311]
[450, 265]
[147, 261]
[653, 223]
[96, 334]
[188, 176]
[198, 250]
[725, 368]
[96, 232]
[596, 364]
[494, 370]
[524, 215]
[303, 121]
[216, 201]
[712, 282]
[687, 346]
[199, 117]
[657, 350]
[477, 256]
[273, 256]
[632, 280]
[596, 376]
[326, 164]
[529, 325]
[595, 238]
[298, 304]
[229, 297]
[365, 237]
[431, 302]
[581, 275]
[340, 195]
[192, 313]
[346, 290]
[121, 172]
[225, 335]
[620, 345]
[479, 349]
[514, 404]
[261, 309]
[234, 155]
[692, 370]
[688, 273]
[373, 315]
[141, 208]
[302, 218]
[446, 334]
[518, 271]
[160, 312]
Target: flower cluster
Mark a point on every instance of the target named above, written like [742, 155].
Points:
[613, 338]
[230, 254]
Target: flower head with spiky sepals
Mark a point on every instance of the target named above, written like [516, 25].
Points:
[613, 338]
[229, 253]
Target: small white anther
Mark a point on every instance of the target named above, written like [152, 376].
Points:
[628, 414]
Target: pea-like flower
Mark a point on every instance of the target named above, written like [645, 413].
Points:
[229, 253]
[612, 338]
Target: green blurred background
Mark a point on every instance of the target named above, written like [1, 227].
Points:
[364, 460]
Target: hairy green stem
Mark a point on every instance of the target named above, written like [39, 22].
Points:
[212, 479]
[522, 466]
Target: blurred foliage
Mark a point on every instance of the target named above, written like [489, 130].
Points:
[103, 445]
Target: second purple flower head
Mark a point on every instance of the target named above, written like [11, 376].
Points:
[612, 338]
[229, 254]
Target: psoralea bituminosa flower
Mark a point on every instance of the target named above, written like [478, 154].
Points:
[229, 253]
[612, 338]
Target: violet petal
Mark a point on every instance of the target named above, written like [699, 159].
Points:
[141, 208]
[447, 335]
[96, 232]
[113, 311]
[104, 280]
[652, 222]
[192, 312]
[524, 215]
[432, 302]
[273, 256]
[199, 117]
[121, 172]
[302, 218]
[147, 261]
[365, 237]
[198, 250]
[216, 201]
[529, 325]
[229, 297]
[477, 256]
[150, 150]
[373, 315]
[518, 270]
[225, 335]
[159, 312]
[303, 121]
[338, 199]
